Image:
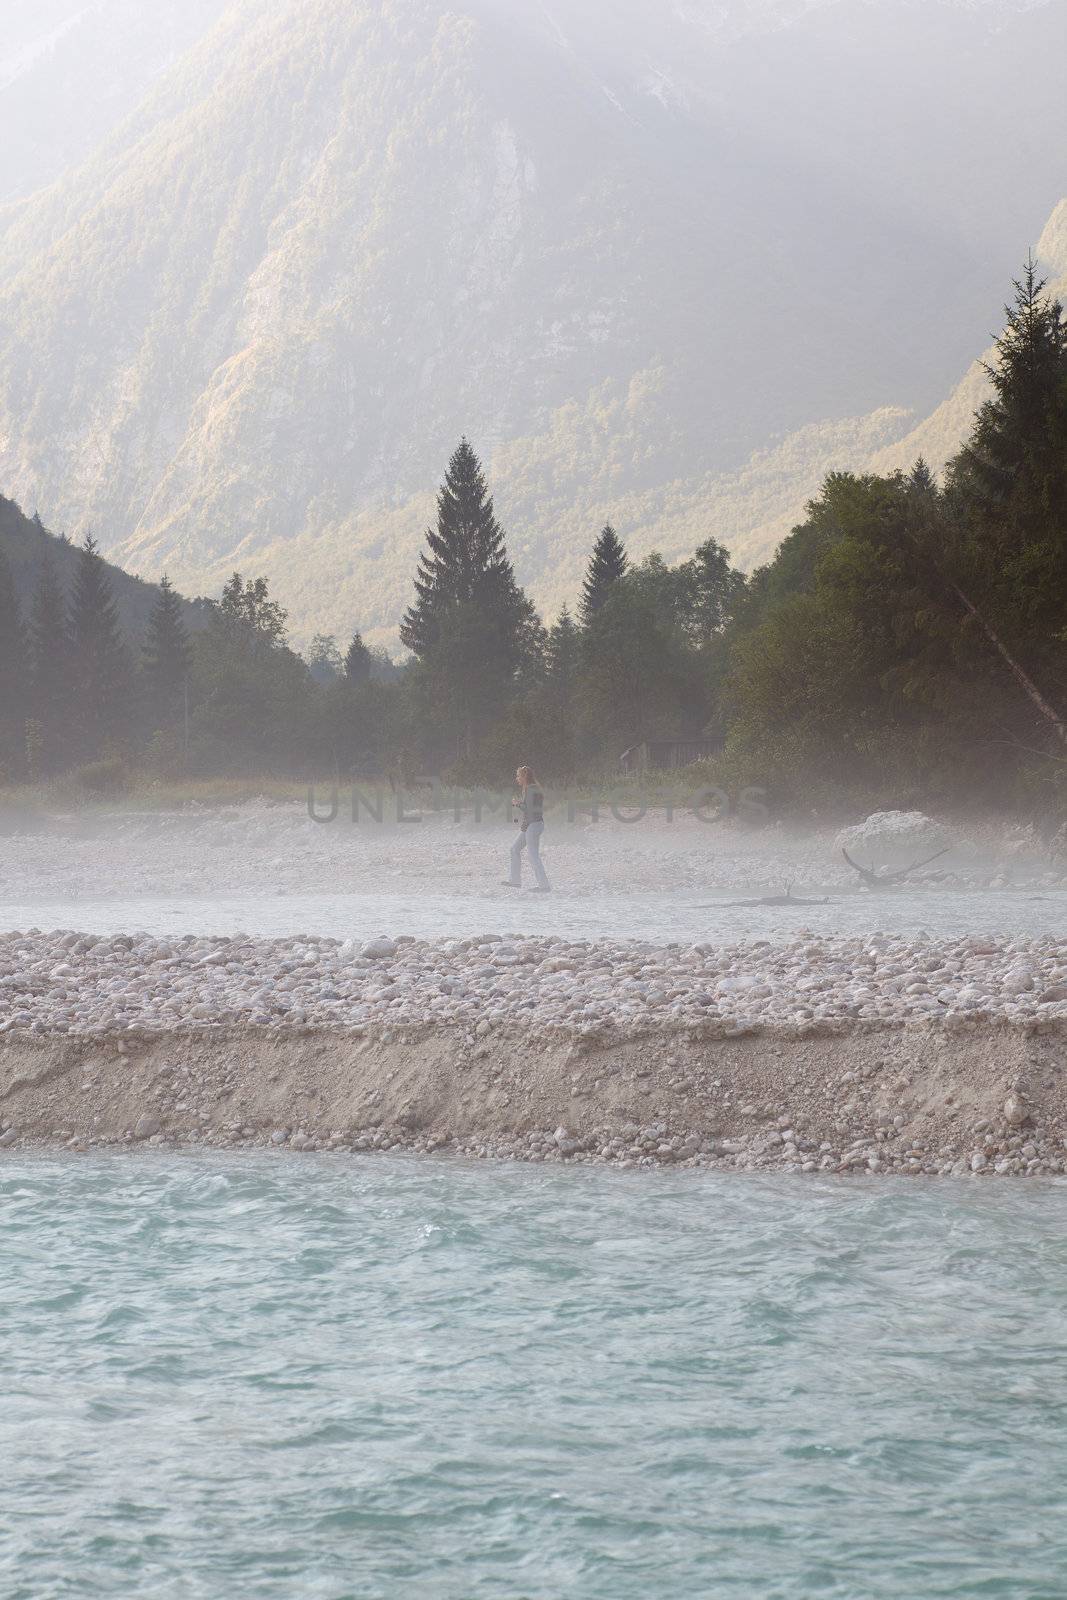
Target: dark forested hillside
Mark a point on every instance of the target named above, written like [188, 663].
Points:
[24, 541]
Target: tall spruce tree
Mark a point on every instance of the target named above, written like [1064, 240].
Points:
[358, 661]
[466, 562]
[471, 627]
[14, 674]
[99, 661]
[607, 565]
[1014, 464]
[1007, 489]
[50, 676]
[921, 481]
[166, 659]
[563, 654]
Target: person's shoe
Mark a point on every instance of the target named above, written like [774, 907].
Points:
[507, 883]
[540, 888]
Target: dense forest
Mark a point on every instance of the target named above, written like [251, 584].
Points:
[907, 644]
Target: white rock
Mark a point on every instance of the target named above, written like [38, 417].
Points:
[1015, 1110]
[891, 840]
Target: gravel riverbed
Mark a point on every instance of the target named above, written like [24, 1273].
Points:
[881, 1053]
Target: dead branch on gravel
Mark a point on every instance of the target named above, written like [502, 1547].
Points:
[786, 899]
[889, 880]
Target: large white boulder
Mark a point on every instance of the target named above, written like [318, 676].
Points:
[890, 840]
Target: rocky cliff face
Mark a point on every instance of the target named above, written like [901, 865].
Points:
[634, 251]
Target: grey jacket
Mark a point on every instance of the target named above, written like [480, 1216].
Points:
[530, 805]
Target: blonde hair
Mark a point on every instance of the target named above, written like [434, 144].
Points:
[527, 776]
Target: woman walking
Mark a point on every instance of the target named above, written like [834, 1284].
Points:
[529, 802]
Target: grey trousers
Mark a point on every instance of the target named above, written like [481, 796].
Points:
[530, 841]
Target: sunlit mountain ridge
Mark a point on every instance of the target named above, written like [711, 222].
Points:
[665, 266]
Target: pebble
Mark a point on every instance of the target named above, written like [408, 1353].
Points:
[589, 990]
[585, 994]
[1015, 1111]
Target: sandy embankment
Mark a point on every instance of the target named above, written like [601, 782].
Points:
[905, 1099]
[882, 1052]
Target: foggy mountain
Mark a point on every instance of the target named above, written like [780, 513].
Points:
[71, 70]
[938, 436]
[662, 263]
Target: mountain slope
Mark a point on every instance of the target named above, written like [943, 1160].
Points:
[24, 543]
[71, 70]
[938, 437]
[632, 251]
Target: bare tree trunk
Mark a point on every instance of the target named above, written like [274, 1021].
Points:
[1027, 683]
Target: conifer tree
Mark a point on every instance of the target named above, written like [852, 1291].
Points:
[471, 627]
[99, 660]
[166, 659]
[921, 480]
[1006, 500]
[607, 565]
[357, 661]
[563, 653]
[14, 672]
[466, 563]
[1014, 463]
[50, 680]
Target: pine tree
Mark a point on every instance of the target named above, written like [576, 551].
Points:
[166, 659]
[99, 661]
[466, 563]
[50, 679]
[1007, 489]
[471, 627]
[921, 480]
[607, 565]
[357, 661]
[14, 673]
[563, 654]
[1015, 458]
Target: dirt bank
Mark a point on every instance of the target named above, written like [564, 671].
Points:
[912, 1099]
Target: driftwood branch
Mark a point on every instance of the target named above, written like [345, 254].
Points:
[881, 880]
[786, 899]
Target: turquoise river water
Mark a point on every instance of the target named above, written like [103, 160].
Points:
[229, 1377]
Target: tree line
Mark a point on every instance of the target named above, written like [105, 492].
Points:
[907, 643]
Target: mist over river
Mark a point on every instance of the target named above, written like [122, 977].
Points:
[267, 1376]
